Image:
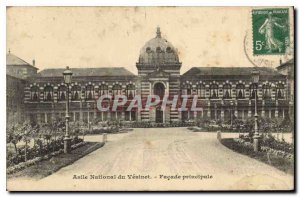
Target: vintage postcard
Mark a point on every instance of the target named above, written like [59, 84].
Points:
[150, 99]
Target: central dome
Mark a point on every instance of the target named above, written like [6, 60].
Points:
[158, 51]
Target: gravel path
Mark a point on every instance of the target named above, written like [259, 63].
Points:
[160, 159]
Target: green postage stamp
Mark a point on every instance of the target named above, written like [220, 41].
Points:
[270, 28]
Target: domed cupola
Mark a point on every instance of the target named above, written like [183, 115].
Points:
[158, 52]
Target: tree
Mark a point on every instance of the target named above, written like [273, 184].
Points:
[57, 127]
[46, 133]
[77, 128]
[14, 135]
[27, 130]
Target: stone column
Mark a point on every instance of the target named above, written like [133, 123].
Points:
[179, 115]
[249, 110]
[39, 118]
[236, 109]
[123, 115]
[276, 109]
[208, 110]
[80, 112]
[263, 109]
[138, 116]
[243, 114]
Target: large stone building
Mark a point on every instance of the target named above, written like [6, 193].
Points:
[223, 93]
[18, 73]
[288, 69]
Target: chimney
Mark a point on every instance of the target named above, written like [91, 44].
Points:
[33, 62]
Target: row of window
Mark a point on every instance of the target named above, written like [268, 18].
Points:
[187, 89]
[229, 114]
[76, 91]
[86, 116]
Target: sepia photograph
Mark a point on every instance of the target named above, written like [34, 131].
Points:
[150, 98]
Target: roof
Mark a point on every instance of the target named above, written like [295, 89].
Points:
[238, 71]
[77, 72]
[12, 60]
[287, 63]
[158, 50]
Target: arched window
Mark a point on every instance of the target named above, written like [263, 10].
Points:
[213, 91]
[169, 50]
[75, 91]
[130, 91]
[62, 92]
[266, 88]
[201, 90]
[158, 50]
[89, 92]
[34, 93]
[227, 91]
[240, 91]
[280, 91]
[159, 90]
[48, 93]
[103, 90]
[187, 89]
[253, 91]
[148, 50]
[117, 89]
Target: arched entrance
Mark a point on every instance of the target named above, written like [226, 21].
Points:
[159, 115]
[159, 90]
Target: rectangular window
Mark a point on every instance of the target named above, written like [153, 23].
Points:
[133, 116]
[104, 116]
[119, 115]
[77, 116]
[91, 116]
[273, 114]
[49, 117]
[212, 114]
[42, 118]
[205, 114]
[127, 115]
[113, 115]
[184, 115]
[240, 114]
[280, 113]
[199, 115]
[85, 117]
[71, 115]
[192, 116]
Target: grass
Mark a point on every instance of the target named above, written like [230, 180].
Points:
[48, 167]
[283, 164]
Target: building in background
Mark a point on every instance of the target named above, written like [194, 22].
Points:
[18, 74]
[223, 93]
[288, 69]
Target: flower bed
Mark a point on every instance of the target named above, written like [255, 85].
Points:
[267, 149]
[22, 165]
[147, 124]
[277, 158]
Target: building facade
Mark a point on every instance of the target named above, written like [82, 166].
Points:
[18, 74]
[222, 93]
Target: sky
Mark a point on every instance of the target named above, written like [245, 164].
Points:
[57, 37]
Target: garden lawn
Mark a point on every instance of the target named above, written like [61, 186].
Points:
[283, 164]
[48, 167]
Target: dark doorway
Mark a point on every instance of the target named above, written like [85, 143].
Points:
[159, 90]
[159, 116]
